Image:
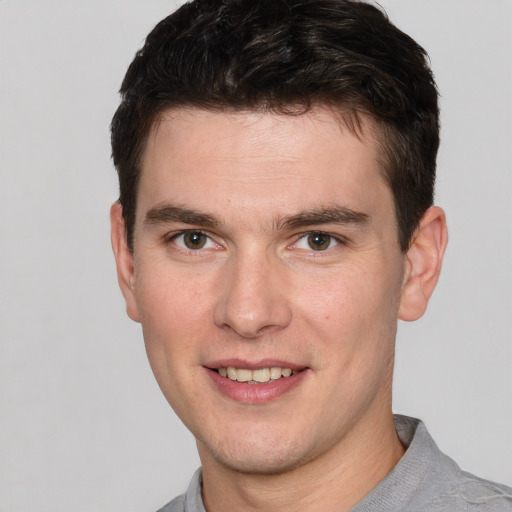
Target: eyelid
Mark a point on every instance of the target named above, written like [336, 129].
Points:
[171, 237]
[340, 240]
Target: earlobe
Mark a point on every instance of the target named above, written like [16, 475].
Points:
[423, 264]
[124, 260]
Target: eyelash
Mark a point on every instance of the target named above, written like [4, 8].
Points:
[332, 239]
[333, 242]
[174, 236]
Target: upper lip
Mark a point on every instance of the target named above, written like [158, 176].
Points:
[254, 365]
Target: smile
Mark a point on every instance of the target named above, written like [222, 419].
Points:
[258, 376]
[258, 384]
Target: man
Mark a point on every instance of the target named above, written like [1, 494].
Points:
[276, 163]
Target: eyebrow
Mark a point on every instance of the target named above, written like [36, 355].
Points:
[167, 213]
[327, 215]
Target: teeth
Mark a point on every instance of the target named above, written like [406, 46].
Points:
[244, 375]
[260, 375]
[276, 373]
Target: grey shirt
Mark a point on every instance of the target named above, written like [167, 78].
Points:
[425, 480]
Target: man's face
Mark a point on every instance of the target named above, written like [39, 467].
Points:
[265, 244]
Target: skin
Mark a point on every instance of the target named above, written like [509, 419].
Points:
[257, 289]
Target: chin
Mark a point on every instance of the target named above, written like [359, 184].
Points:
[258, 457]
[261, 464]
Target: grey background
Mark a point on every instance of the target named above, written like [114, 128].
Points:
[83, 426]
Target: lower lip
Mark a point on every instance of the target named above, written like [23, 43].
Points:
[256, 393]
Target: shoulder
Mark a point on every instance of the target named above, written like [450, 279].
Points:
[480, 495]
[469, 493]
[176, 505]
[191, 501]
[444, 486]
[426, 480]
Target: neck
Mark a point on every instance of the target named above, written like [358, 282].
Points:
[335, 480]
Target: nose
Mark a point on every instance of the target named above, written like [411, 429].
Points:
[252, 297]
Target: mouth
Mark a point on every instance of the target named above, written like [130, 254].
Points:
[255, 383]
[256, 376]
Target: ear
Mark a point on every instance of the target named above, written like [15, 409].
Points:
[423, 264]
[124, 260]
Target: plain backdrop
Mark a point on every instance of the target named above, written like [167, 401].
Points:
[83, 426]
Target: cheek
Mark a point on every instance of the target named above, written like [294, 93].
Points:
[353, 308]
[169, 300]
[174, 316]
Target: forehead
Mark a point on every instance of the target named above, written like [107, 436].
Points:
[187, 122]
[246, 158]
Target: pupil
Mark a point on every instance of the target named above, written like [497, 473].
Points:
[194, 240]
[318, 241]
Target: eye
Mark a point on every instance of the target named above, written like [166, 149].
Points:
[316, 241]
[193, 240]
